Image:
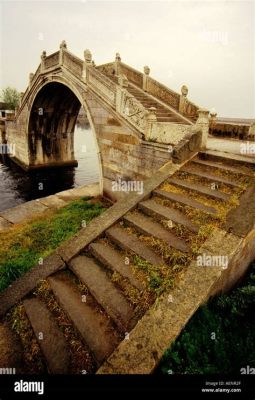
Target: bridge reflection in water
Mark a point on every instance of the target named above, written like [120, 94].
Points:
[17, 186]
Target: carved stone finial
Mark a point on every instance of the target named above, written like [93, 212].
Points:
[184, 90]
[43, 56]
[146, 70]
[87, 56]
[213, 113]
[117, 57]
[63, 45]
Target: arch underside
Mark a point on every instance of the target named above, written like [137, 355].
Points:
[51, 124]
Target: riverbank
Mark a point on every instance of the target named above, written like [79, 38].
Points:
[35, 208]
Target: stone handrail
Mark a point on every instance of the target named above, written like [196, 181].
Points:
[132, 74]
[163, 93]
[99, 82]
[107, 69]
[52, 60]
[73, 63]
[190, 109]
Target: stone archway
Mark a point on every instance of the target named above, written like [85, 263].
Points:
[51, 122]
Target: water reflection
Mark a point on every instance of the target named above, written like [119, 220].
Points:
[17, 186]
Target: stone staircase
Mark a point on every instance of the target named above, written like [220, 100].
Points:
[107, 288]
[163, 112]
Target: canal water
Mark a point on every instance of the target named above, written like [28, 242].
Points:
[17, 186]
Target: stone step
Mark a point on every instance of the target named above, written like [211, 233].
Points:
[211, 177]
[216, 194]
[179, 198]
[148, 227]
[94, 327]
[132, 243]
[150, 207]
[223, 167]
[113, 260]
[103, 290]
[51, 340]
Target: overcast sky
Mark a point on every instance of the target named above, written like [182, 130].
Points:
[207, 45]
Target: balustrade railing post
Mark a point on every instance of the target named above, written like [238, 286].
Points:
[183, 99]
[150, 118]
[62, 48]
[146, 74]
[87, 63]
[212, 120]
[203, 124]
[117, 64]
[43, 57]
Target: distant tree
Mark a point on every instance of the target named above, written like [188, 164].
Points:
[10, 96]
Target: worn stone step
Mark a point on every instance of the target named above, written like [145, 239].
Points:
[216, 194]
[113, 260]
[132, 243]
[154, 209]
[148, 227]
[211, 177]
[94, 327]
[227, 168]
[51, 340]
[104, 290]
[180, 198]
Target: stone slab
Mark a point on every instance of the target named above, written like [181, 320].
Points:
[113, 260]
[216, 194]
[93, 326]
[211, 177]
[154, 209]
[103, 289]
[223, 167]
[53, 202]
[148, 227]
[24, 211]
[52, 343]
[179, 198]
[133, 244]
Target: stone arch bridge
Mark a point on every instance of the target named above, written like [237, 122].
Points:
[138, 123]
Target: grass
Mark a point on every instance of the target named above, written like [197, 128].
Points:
[26, 245]
[206, 344]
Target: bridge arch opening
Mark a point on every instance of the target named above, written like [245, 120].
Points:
[52, 129]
